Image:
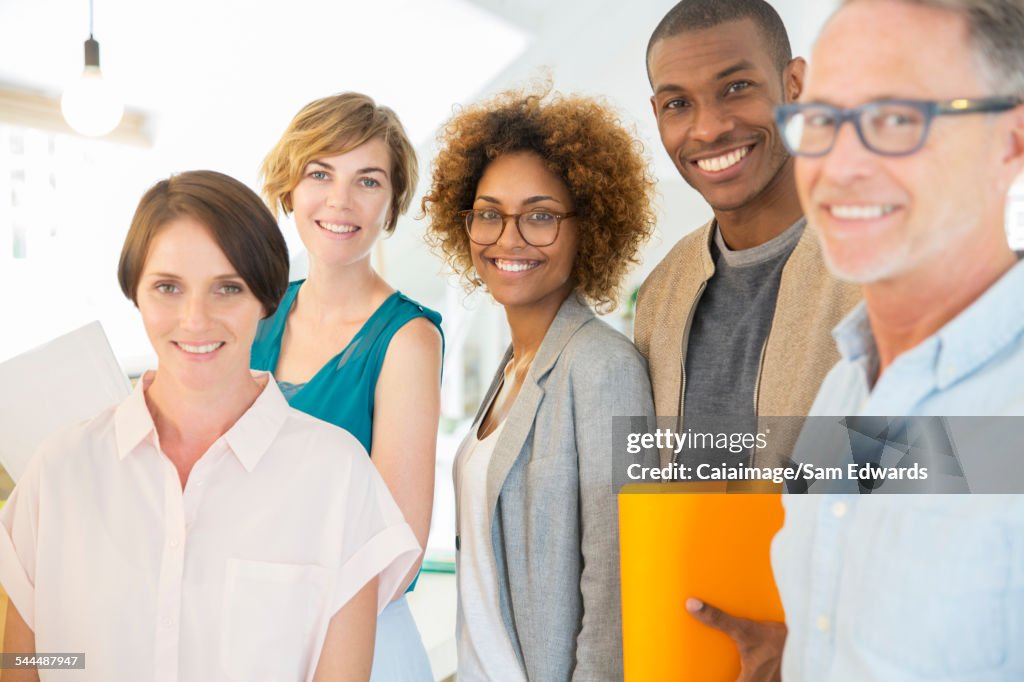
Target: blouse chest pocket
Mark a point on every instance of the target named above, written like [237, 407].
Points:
[271, 619]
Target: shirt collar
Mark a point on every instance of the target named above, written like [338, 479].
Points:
[782, 243]
[249, 438]
[982, 329]
[132, 421]
[853, 336]
[254, 432]
[960, 347]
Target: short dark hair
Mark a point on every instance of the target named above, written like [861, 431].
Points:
[693, 15]
[237, 219]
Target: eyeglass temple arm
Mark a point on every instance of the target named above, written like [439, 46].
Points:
[982, 106]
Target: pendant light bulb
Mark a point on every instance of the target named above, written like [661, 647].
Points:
[92, 105]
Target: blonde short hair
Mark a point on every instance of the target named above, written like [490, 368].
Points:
[336, 125]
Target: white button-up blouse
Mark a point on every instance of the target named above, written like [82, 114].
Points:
[235, 577]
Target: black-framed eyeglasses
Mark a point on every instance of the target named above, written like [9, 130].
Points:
[537, 227]
[890, 127]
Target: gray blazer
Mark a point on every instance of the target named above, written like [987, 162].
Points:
[554, 529]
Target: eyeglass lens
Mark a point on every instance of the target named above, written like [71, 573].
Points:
[538, 228]
[886, 127]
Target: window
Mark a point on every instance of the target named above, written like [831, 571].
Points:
[65, 206]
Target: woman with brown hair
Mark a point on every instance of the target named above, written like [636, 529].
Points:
[344, 346]
[544, 201]
[202, 529]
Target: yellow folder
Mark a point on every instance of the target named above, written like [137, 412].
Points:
[698, 542]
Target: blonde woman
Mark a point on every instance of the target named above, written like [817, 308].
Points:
[344, 345]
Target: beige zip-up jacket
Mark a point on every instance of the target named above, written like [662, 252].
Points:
[798, 352]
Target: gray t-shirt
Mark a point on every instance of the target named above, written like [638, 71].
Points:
[729, 329]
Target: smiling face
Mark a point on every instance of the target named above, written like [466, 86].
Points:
[882, 218]
[714, 94]
[342, 203]
[516, 273]
[199, 314]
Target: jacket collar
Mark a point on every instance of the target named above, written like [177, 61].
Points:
[572, 315]
[707, 235]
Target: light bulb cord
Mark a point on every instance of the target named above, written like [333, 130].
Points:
[92, 48]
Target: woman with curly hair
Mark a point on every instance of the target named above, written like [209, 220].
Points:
[344, 345]
[544, 201]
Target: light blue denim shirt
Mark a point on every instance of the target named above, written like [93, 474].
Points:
[912, 587]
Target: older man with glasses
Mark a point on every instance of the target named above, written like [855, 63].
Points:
[909, 201]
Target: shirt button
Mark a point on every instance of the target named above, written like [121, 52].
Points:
[174, 543]
[167, 622]
[839, 509]
[824, 623]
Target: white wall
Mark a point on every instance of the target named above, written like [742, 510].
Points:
[221, 78]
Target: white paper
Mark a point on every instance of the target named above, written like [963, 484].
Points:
[65, 381]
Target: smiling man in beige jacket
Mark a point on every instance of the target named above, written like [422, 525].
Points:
[735, 322]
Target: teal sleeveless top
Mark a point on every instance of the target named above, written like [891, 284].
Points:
[342, 391]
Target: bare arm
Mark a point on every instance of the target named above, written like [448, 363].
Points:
[407, 406]
[347, 654]
[18, 639]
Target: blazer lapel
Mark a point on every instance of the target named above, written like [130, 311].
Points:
[571, 316]
[495, 384]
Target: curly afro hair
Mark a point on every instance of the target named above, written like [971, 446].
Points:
[580, 140]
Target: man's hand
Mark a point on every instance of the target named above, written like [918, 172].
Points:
[760, 642]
